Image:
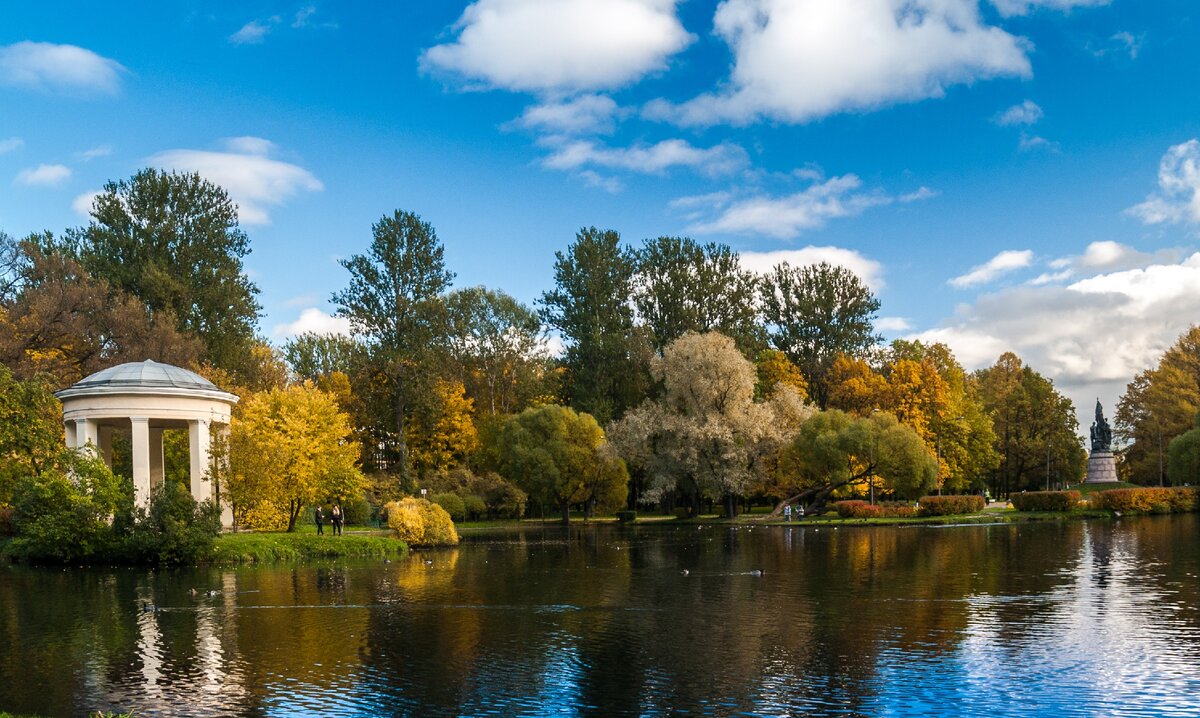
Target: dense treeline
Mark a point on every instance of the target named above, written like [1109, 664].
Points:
[684, 379]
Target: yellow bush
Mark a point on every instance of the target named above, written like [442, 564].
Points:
[419, 522]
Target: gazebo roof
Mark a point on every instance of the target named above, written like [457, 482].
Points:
[146, 377]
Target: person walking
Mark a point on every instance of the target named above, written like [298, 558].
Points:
[320, 519]
[336, 514]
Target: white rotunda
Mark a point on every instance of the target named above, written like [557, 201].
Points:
[145, 399]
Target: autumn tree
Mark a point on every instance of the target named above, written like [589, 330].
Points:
[706, 436]
[815, 313]
[589, 306]
[774, 370]
[498, 349]
[559, 457]
[681, 286]
[1035, 427]
[289, 449]
[65, 323]
[172, 240]
[1159, 405]
[441, 433]
[395, 302]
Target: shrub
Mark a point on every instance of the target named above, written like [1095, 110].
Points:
[683, 512]
[855, 509]
[6, 521]
[453, 504]
[898, 509]
[357, 512]
[1148, 500]
[626, 517]
[421, 523]
[175, 530]
[1045, 500]
[950, 505]
[64, 516]
[475, 507]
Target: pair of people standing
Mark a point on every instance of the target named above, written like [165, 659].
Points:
[335, 518]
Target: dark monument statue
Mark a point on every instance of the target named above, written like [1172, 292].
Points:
[1101, 433]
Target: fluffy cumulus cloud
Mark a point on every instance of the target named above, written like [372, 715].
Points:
[44, 176]
[1009, 8]
[1003, 263]
[586, 114]
[712, 161]
[1092, 335]
[787, 216]
[1178, 198]
[82, 204]
[65, 69]
[867, 269]
[244, 168]
[313, 320]
[798, 60]
[562, 46]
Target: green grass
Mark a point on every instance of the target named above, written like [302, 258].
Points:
[1086, 489]
[264, 546]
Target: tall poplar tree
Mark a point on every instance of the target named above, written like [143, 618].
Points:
[395, 301]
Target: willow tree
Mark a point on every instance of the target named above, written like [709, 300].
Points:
[706, 436]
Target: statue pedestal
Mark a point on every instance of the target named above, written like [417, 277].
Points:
[1102, 468]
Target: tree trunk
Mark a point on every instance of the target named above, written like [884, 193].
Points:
[565, 507]
[401, 426]
[293, 514]
[730, 507]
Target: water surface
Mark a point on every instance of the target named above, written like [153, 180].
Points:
[1076, 618]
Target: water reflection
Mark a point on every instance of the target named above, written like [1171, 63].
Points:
[1073, 618]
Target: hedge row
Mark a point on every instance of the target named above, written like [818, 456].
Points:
[862, 510]
[1045, 500]
[1149, 500]
[950, 505]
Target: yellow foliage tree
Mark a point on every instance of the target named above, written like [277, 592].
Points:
[289, 448]
[774, 368]
[419, 522]
[854, 387]
[442, 433]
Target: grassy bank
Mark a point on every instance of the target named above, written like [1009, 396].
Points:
[264, 547]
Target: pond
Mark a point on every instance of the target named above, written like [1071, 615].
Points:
[1073, 618]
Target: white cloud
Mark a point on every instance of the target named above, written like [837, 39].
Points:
[920, 194]
[789, 215]
[893, 324]
[1030, 142]
[12, 143]
[712, 161]
[93, 153]
[44, 175]
[83, 203]
[254, 32]
[1105, 256]
[304, 16]
[1003, 263]
[1091, 336]
[313, 320]
[612, 185]
[586, 114]
[867, 269]
[1026, 113]
[799, 60]
[562, 46]
[67, 69]
[253, 180]
[1178, 199]
[1009, 8]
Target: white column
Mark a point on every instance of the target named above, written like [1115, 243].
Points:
[85, 433]
[156, 457]
[222, 490]
[198, 445]
[69, 426]
[105, 434]
[141, 460]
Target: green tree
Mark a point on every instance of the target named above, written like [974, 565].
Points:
[589, 306]
[312, 356]
[1036, 429]
[1184, 467]
[834, 450]
[31, 431]
[498, 348]
[558, 457]
[815, 313]
[172, 240]
[395, 300]
[681, 286]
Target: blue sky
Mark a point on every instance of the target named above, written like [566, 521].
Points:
[1007, 174]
